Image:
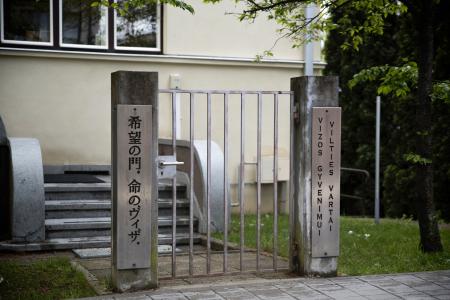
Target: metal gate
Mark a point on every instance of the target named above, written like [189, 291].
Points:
[221, 107]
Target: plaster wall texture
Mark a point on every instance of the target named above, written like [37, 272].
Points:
[216, 31]
[65, 104]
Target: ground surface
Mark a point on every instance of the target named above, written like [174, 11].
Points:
[425, 285]
[41, 276]
[366, 248]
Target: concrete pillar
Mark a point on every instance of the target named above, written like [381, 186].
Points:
[310, 253]
[134, 261]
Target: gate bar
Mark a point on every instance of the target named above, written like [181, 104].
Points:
[174, 187]
[258, 193]
[191, 196]
[225, 182]
[208, 188]
[275, 182]
[242, 184]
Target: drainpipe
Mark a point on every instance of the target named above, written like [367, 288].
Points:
[309, 47]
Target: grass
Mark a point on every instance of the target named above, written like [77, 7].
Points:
[52, 278]
[365, 248]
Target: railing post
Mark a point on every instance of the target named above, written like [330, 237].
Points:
[134, 145]
[315, 176]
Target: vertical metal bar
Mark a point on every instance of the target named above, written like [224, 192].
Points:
[275, 181]
[174, 187]
[191, 196]
[292, 246]
[208, 188]
[377, 160]
[225, 182]
[242, 184]
[258, 184]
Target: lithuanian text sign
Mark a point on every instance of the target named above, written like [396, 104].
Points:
[325, 176]
[134, 177]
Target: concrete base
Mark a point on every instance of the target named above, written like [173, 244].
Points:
[132, 280]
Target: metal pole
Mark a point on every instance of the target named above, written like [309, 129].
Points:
[225, 183]
[174, 187]
[377, 161]
[208, 187]
[258, 185]
[242, 185]
[191, 197]
[309, 46]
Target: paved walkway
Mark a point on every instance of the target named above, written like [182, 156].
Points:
[423, 285]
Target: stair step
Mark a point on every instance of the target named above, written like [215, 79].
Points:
[86, 242]
[77, 204]
[75, 191]
[94, 204]
[167, 203]
[104, 186]
[102, 223]
[76, 187]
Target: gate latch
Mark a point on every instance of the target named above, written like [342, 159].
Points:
[167, 166]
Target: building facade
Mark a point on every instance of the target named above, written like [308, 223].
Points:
[56, 58]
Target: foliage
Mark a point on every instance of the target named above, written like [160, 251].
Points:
[386, 65]
[365, 248]
[124, 7]
[52, 278]
[399, 81]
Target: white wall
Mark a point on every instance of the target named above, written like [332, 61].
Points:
[215, 30]
[65, 102]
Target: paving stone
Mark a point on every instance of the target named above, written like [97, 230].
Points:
[437, 292]
[137, 297]
[173, 296]
[416, 296]
[386, 296]
[427, 287]
[326, 287]
[398, 289]
[370, 291]
[311, 294]
[340, 294]
[210, 295]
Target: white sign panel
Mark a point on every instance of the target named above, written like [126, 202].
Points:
[134, 177]
[325, 169]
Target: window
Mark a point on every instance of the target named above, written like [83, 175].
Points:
[137, 29]
[83, 26]
[73, 24]
[27, 22]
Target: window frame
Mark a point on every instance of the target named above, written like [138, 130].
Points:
[30, 43]
[140, 49]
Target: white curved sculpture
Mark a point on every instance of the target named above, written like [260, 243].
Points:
[27, 191]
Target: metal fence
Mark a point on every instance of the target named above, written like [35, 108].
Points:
[225, 96]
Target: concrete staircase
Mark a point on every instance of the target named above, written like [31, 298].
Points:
[78, 215]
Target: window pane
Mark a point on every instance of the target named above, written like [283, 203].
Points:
[138, 27]
[83, 24]
[27, 20]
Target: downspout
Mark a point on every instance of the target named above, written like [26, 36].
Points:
[309, 47]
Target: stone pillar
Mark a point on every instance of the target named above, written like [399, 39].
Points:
[315, 181]
[134, 138]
